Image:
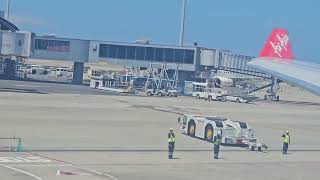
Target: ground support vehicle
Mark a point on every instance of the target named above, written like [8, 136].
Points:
[234, 133]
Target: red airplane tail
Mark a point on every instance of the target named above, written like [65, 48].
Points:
[278, 46]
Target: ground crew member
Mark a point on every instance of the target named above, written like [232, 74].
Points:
[171, 142]
[216, 144]
[286, 142]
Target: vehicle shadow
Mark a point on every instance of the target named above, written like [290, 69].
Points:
[299, 103]
[19, 90]
[302, 103]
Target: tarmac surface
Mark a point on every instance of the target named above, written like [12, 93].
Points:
[74, 132]
[36, 87]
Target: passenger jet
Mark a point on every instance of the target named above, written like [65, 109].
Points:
[276, 59]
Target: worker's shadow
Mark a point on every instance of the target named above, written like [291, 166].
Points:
[175, 158]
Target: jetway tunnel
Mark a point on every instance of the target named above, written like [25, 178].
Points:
[16, 47]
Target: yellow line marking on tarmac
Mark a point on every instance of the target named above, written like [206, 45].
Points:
[21, 171]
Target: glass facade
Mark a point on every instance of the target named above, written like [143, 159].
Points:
[140, 53]
[149, 54]
[159, 54]
[52, 45]
[152, 54]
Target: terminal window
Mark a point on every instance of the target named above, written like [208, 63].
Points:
[52, 45]
[172, 55]
[179, 55]
[140, 53]
[121, 52]
[149, 54]
[159, 54]
[168, 54]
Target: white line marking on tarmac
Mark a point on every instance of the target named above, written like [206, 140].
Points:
[21, 171]
[77, 166]
[30, 159]
[101, 174]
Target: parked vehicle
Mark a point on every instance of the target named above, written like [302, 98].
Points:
[162, 92]
[36, 69]
[199, 90]
[63, 72]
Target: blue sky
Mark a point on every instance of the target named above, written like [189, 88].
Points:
[241, 26]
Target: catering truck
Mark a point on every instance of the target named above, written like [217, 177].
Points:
[234, 133]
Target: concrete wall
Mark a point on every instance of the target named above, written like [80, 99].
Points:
[78, 51]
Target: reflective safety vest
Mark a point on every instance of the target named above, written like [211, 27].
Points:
[286, 138]
[216, 140]
[171, 139]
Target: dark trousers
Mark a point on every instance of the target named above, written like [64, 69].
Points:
[170, 150]
[216, 149]
[285, 148]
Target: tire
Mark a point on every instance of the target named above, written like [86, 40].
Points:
[170, 95]
[224, 99]
[159, 94]
[192, 129]
[149, 93]
[45, 72]
[208, 135]
[238, 100]
[34, 71]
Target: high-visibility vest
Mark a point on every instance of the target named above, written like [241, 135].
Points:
[217, 140]
[171, 139]
[286, 139]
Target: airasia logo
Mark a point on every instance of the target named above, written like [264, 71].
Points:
[283, 40]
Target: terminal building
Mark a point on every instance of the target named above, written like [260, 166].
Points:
[192, 61]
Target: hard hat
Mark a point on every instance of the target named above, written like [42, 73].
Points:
[287, 131]
[171, 129]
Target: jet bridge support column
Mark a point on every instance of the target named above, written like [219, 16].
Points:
[9, 68]
[274, 89]
[78, 72]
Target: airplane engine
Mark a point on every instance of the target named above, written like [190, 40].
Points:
[223, 82]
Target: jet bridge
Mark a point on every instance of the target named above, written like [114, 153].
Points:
[214, 59]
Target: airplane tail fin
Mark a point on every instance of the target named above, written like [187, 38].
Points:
[278, 46]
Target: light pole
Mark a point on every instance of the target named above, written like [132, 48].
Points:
[184, 3]
[8, 10]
